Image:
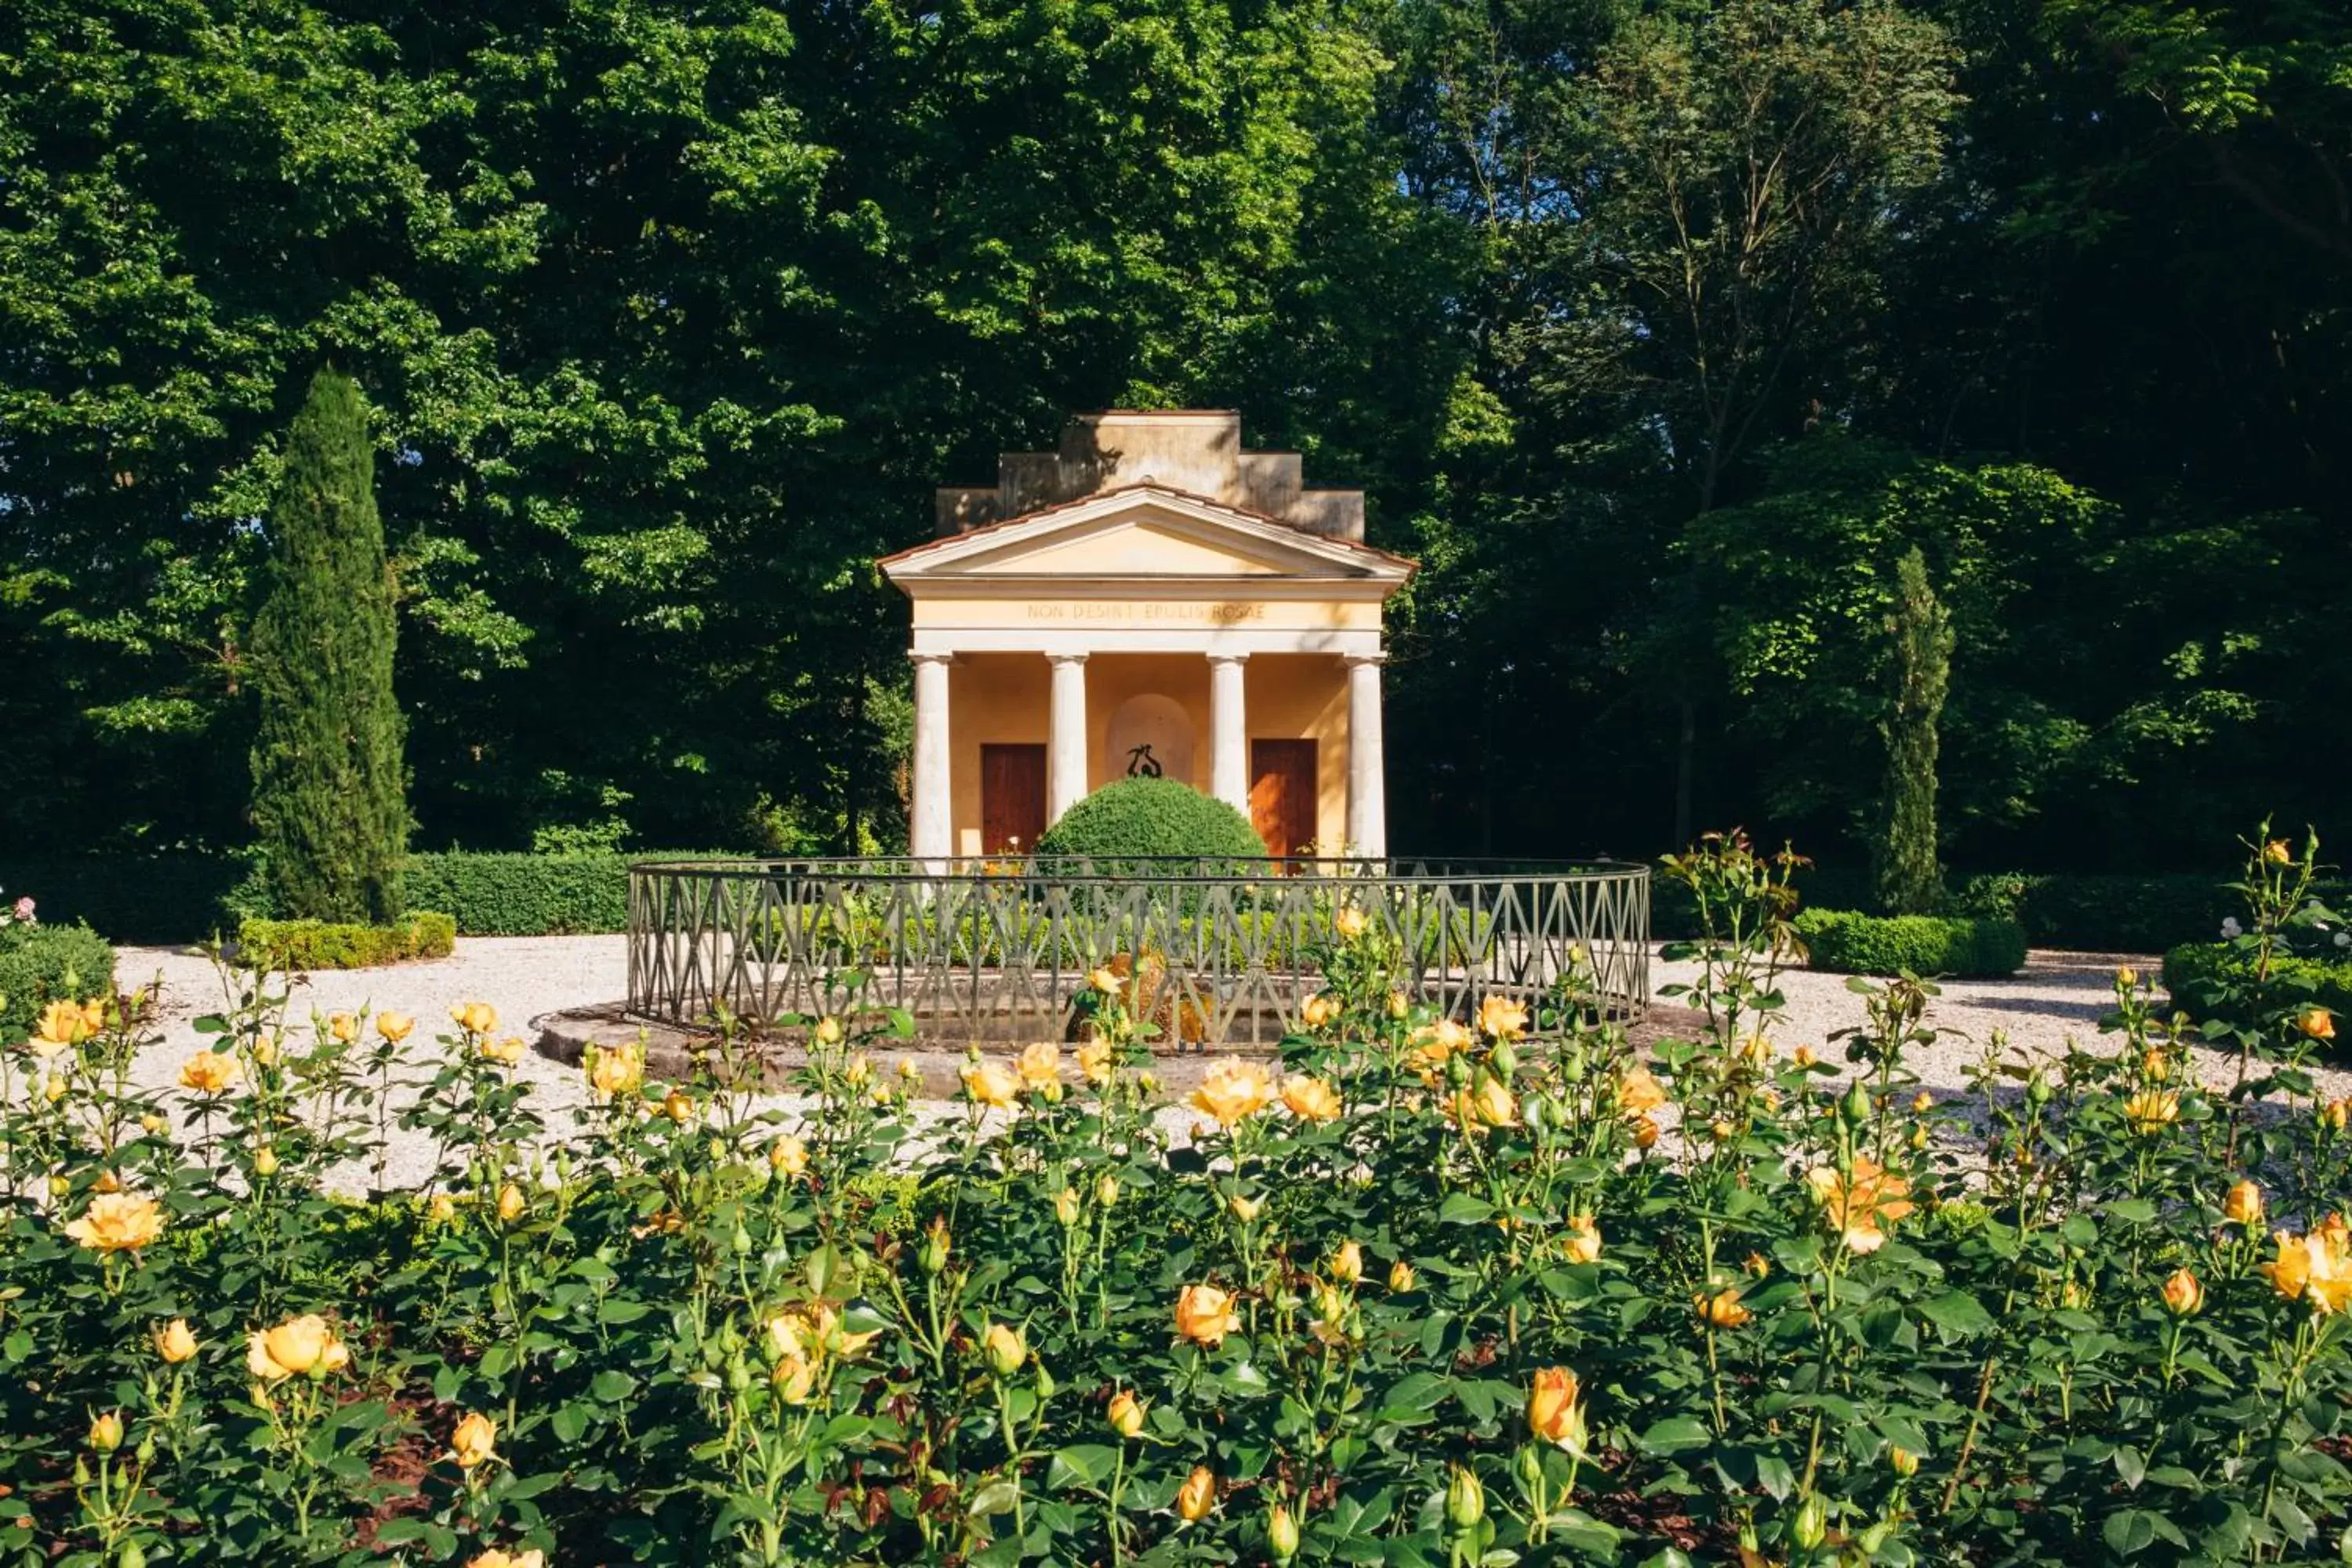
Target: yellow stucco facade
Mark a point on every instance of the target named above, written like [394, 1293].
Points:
[1088, 617]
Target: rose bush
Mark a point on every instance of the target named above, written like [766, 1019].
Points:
[1430, 1290]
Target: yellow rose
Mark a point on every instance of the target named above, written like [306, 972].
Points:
[2182, 1294]
[1551, 1405]
[1644, 1131]
[678, 1106]
[265, 1161]
[1803, 1057]
[1233, 1091]
[175, 1341]
[788, 1156]
[2244, 1205]
[441, 1208]
[473, 1442]
[1095, 1061]
[1490, 1103]
[118, 1221]
[506, 1053]
[2316, 1023]
[1318, 1010]
[1902, 1462]
[2276, 852]
[475, 1017]
[1502, 1017]
[511, 1203]
[1583, 1243]
[344, 1027]
[1350, 923]
[1244, 1209]
[1040, 1066]
[106, 1432]
[1197, 1496]
[1723, 1309]
[991, 1083]
[616, 1070]
[63, 1024]
[2152, 1109]
[209, 1072]
[1311, 1099]
[1066, 1206]
[1125, 1415]
[1348, 1263]
[1400, 1276]
[828, 1031]
[1205, 1315]
[1923, 1102]
[394, 1026]
[1106, 980]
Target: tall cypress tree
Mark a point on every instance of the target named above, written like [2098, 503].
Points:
[330, 789]
[1909, 880]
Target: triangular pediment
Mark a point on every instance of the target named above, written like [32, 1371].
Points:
[1144, 532]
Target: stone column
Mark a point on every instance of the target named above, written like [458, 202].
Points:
[1368, 812]
[1228, 732]
[1065, 744]
[930, 829]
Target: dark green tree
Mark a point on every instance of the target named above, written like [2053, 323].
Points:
[330, 789]
[1906, 874]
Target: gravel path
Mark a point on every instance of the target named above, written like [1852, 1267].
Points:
[2058, 995]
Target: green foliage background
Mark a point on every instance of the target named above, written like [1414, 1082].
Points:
[668, 322]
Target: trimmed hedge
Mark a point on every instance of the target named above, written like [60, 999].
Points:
[2190, 970]
[1136, 818]
[49, 964]
[327, 944]
[1845, 943]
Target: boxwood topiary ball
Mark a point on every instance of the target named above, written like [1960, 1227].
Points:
[1137, 818]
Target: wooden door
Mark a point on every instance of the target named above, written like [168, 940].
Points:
[1283, 794]
[1012, 798]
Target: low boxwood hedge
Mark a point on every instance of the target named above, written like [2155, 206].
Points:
[1138, 818]
[45, 963]
[2192, 971]
[324, 944]
[1847, 942]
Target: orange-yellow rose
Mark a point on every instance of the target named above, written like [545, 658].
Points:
[495, 1558]
[2152, 1109]
[1234, 1091]
[1311, 1099]
[394, 1026]
[1318, 1010]
[2182, 1293]
[616, 1070]
[1724, 1309]
[1197, 1496]
[1638, 1089]
[343, 1027]
[1551, 1406]
[1502, 1017]
[209, 1072]
[1095, 1060]
[118, 1221]
[2244, 1205]
[2315, 1266]
[1040, 1066]
[1205, 1315]
[1487, 1104]
[475, 1017]
[475, 1440]
[2318, 1023]
[506, 1053]
[1856, 1206]
[298, 1345]
[175, 1341]
[1583, 1242]
[1350, 923]
[991, 1083]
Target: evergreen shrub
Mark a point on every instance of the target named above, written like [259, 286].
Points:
[330, 944]
[2194, 973]
[1845, 941]
[1136, 820]
[49, 962]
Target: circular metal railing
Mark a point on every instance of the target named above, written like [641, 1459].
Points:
[993, 950]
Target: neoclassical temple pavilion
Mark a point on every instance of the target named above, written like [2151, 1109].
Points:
[1150, 598]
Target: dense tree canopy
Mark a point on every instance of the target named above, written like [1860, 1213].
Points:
[1659, 329]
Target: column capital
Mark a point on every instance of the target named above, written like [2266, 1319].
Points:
[1354, 660]
[1065, 658]
[1222, 657]
[925, 656]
